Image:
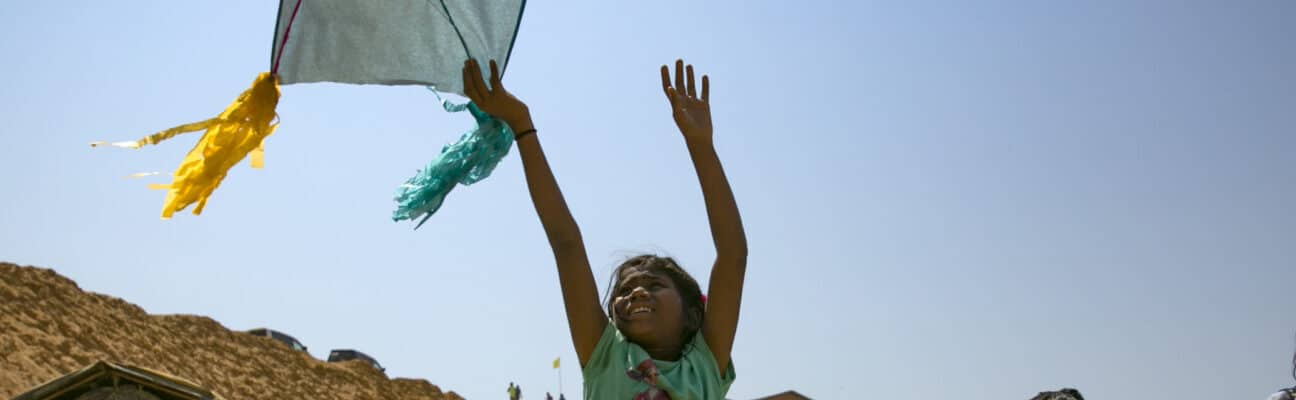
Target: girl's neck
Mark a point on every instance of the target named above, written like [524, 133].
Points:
[668, 352]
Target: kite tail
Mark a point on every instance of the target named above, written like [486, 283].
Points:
[236, 133]
[464, 162]
[160, 136]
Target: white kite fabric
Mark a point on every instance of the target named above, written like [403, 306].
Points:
[386, 42]
[392, 42]
[404, 42]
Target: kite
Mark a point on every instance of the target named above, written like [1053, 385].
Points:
[390, 42]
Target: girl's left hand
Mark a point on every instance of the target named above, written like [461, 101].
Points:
[692, 113]
[495, 100]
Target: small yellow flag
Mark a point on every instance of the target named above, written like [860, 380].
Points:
[556, 362]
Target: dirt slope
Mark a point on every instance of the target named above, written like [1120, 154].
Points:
[50, 327]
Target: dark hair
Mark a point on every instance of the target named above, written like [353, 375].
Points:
[688, 288]
[1293, 365]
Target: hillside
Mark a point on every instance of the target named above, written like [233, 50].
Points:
[50, 327]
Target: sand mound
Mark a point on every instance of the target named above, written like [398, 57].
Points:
[50, 327]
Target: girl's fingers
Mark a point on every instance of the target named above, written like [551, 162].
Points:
[469, 89]
[469, 68]
[477, 78]
[495, 77]
[666, 85]
[679, 75]
[692, 88]
[706, 89]
[468, 77]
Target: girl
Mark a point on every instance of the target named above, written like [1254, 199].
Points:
[657, 337]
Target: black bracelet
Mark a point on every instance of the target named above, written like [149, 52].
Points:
[523, 134]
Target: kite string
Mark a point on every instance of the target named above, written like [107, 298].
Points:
[274, 69]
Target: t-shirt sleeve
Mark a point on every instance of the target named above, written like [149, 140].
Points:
[602, 356]
[724, 379]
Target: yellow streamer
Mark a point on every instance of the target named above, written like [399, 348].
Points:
[230, 137]
[160, 136]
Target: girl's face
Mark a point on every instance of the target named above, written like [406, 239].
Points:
[647, 308]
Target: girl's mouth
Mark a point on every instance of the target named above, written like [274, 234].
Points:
[639, 310]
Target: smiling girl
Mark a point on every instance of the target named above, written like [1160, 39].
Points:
[658, 336]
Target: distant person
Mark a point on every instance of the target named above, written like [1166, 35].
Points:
[1288, 393]
[513, 392]
[548, 396]
[655, 311]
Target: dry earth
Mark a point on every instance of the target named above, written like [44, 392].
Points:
[50, 327]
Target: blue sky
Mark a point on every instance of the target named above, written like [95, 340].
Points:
[992, 199]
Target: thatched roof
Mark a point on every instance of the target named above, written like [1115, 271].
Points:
[104, 374]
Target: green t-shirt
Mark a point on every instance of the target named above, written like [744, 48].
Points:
[621, 370]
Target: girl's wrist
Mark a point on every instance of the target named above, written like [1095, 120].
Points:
[521, 125]
[519, 135]
[697, 141]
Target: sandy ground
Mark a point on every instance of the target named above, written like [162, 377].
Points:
[50, 327]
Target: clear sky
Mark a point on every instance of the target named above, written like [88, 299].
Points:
[990, 199]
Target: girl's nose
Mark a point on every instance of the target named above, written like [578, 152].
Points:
[639, 292]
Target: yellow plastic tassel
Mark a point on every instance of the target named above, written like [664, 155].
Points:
[230, 137]
[160, 136]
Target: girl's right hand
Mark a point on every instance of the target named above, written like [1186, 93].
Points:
[692, 113]
[495, 100]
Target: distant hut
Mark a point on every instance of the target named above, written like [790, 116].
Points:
[340, 355]
[280, 337]
[1064, 394]
[788, 395]
[104, 380]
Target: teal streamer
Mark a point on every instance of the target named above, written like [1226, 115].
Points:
[464, 162]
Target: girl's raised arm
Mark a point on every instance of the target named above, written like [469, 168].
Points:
[585, 316]
[724, 296]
